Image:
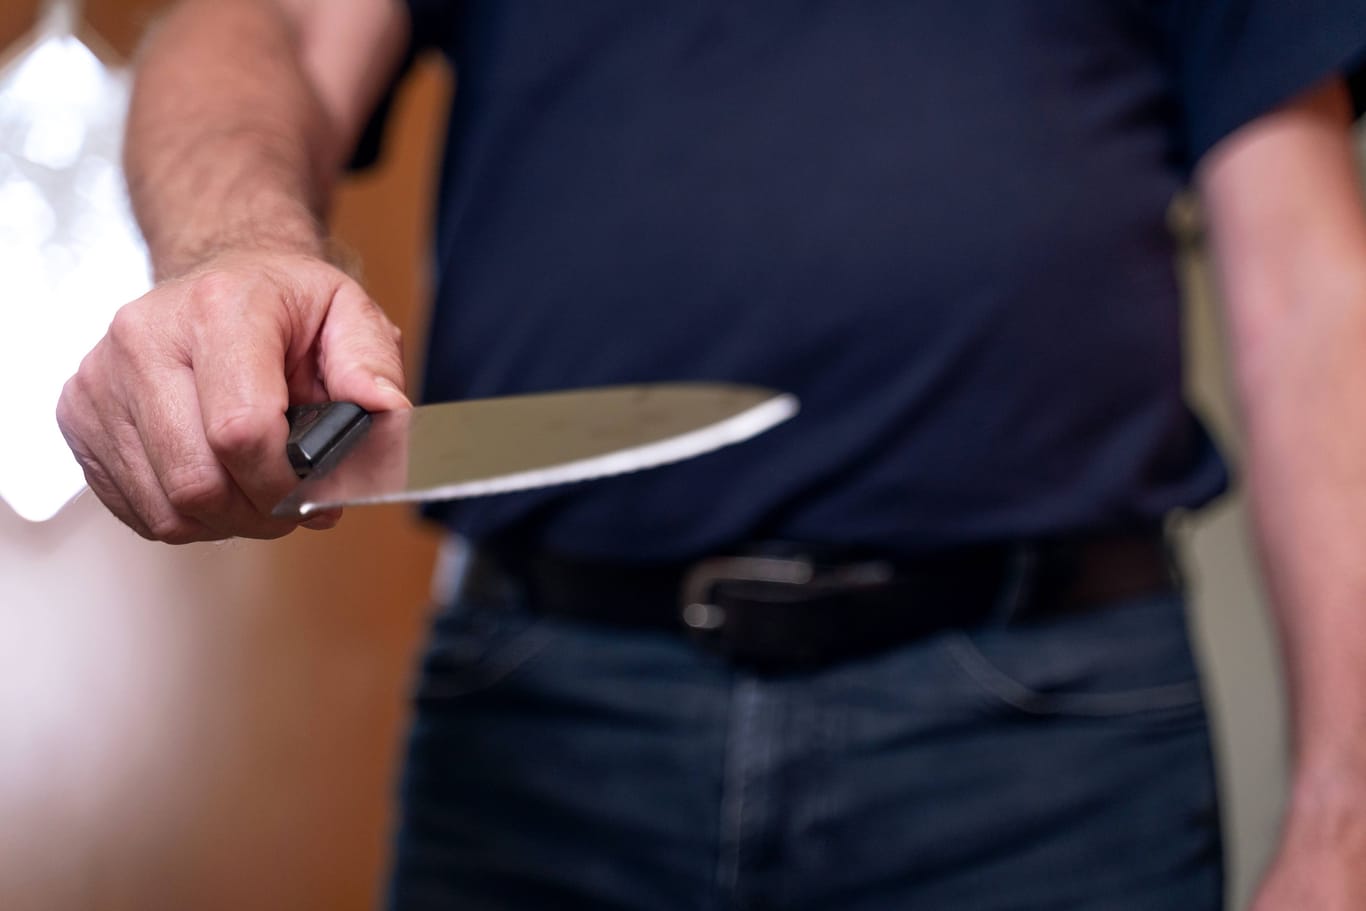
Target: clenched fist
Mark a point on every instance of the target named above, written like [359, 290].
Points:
[177, 415]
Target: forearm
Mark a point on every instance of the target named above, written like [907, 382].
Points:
[1305, 400]
[242, 113]
[1291, 242]
[228, 146]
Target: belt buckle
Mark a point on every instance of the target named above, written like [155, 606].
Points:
[697, 608]
[747, 638]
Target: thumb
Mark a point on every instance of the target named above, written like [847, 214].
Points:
[361, 355]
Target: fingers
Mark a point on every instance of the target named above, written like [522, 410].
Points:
[177, 415]
[360, 353]
[105, 445]
[159, 519]
[244, 379]
[237, 357]
[195, 484]
[75, 422]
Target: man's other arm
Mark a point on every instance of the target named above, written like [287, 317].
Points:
[243, 113]
[1284, 206]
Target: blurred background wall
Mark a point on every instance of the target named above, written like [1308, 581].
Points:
[215, 726]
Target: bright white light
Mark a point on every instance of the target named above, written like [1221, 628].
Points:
[59, 71]
[55, 142]
[26, 219]
[70, 253]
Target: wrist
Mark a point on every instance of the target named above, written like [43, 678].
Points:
[283, 227]
[1327, 804]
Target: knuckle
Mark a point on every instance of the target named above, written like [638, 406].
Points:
[163, 526]
[142, 530]
[171, 529]
[105, 491]
[215, 289]
[66, 410]
[186, 535]
[73, 405]
[91, 385]
[72, 423]
[196, 489]
[235, 434]
[128, 328]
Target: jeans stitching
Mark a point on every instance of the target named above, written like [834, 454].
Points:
[735, 796]
[980, 669]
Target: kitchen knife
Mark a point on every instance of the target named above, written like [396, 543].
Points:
[472, 448]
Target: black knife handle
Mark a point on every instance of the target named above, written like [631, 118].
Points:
[320, 434]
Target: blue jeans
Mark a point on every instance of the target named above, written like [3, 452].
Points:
[1062, 764]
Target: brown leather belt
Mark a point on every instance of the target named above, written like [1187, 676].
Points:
[779, 607]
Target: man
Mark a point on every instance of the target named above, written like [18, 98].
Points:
[942, 226]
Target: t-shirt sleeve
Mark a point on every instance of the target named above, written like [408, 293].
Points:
[430, 24]
[1237, 59]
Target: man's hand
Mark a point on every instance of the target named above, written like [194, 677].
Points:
[242, 114]
[177, 415]
[1311, 879]
[1320, 863]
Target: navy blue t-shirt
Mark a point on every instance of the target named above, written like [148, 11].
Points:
[942, 224]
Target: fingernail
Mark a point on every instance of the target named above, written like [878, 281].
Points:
[388, 386]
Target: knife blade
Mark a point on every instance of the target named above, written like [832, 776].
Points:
[454, 450]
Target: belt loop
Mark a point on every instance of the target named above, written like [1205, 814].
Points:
[1018, 588]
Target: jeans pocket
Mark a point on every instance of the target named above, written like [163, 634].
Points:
[1132, 659]
[474, 645]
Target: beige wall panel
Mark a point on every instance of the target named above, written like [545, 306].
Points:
[1231, 619]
